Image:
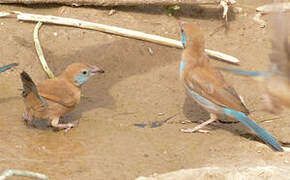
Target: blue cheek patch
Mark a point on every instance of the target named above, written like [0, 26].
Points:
[81, 79]
[181, 68]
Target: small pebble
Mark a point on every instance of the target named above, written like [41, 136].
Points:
[55, 33]
[111, 12]
[150, 51]
[161, 114]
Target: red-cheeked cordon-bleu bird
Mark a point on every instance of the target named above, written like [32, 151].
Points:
[276, 82]
[52, 98]
[205, 85]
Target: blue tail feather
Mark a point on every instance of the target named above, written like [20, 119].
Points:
[4, 68]
[244, 73]
[261, 132]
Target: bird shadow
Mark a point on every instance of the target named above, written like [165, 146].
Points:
[195, 113]
[119, 59]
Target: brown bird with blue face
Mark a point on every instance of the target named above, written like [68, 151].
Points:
[53, 98]
[206, 85]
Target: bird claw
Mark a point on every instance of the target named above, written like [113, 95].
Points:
[27, 118]
[69, 126]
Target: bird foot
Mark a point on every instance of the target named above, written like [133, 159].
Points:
[58, 126]
[213, 117]
[69, 126]
[26, 117]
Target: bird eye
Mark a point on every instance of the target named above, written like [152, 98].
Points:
[85, 72]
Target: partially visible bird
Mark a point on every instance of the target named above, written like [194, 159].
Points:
[4, 68]
[206, 85]
[53, 98]
[275, 82]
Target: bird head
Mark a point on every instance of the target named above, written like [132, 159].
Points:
[192, 39]
[78, 73]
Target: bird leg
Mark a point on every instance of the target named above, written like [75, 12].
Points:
[27, 119]
[67, 127]
[213, 117]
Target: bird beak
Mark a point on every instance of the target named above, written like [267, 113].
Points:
[182, 23]
[96, 69]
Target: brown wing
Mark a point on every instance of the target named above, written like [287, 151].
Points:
[57, 90]
[280, 56]
[209, 83]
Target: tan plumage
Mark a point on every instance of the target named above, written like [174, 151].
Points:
[206, 85]
[53, 98]
[200, 76]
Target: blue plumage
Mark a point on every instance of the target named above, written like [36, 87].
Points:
[83, 76]
[4, 68]
[183, 37]
[205, 84]
[181, 68]
[245, 73]
[261, 132]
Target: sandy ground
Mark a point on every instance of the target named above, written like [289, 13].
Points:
[137, 88]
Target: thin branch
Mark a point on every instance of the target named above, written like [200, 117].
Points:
[15, 172]
[222, 56]
[40, 52]
[115, 30]
[99, 27]
[114, 2]
[4, 14]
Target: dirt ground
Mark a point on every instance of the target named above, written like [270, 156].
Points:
[137, 87]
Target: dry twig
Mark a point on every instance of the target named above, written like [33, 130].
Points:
[115, 30]
[40, 52]
[115, 2]
[15, 172]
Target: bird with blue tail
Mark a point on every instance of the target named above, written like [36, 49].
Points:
[205, 85]
[51, 99]
[274, 83]
[5, 68]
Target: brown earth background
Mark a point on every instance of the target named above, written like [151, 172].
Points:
[138, 87]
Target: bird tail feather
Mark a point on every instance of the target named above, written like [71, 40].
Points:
[28, 85]
[244, 72]
[4, 68]
[261, 132]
